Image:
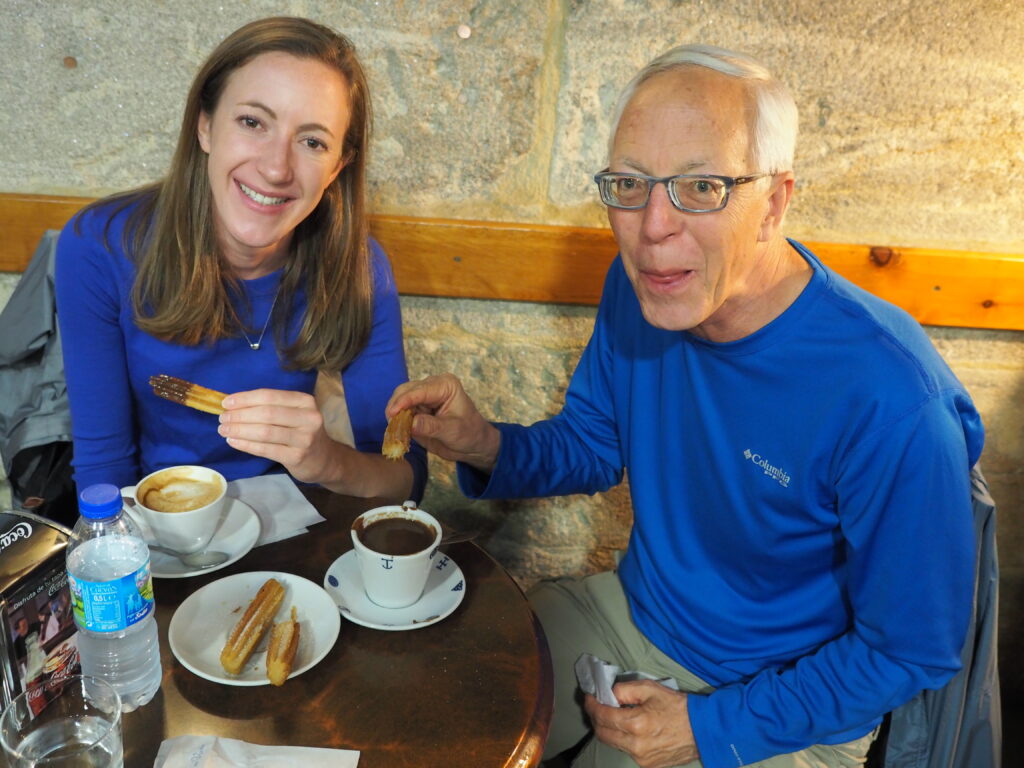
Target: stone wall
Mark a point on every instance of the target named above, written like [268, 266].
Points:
[497, 110]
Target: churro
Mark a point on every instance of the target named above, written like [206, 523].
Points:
[397, 435]
[185, 392]
[251, 627]
[284, 641]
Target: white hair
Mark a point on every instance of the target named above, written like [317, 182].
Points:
[775, 119]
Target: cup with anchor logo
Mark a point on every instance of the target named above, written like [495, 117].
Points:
[395, 547]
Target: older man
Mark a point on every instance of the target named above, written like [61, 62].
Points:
[801, 559]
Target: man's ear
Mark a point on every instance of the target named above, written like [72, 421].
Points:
[778, 204]
[203, 131]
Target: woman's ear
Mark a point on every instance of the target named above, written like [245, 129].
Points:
[337, 169]
[344, 160]
[203, 131]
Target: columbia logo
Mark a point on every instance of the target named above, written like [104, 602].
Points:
[776, 473]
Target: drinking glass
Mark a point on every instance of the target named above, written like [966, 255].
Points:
[72, 722]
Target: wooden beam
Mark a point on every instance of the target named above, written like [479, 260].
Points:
[938, 287]
[24, 218]
[531, 262]
[496, 260]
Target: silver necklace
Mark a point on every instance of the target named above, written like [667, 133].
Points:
[255, 345]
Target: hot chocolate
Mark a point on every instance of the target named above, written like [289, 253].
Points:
[395, 535]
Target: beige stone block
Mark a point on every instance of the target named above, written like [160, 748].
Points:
[899, 108]
[966, 347]
[8, 280]
[456, 117]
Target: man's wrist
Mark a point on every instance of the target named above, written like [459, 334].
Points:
[488, 456]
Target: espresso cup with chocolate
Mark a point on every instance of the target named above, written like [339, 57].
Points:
[182, 505]
[395, 548]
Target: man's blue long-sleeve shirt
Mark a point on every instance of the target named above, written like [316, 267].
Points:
[802, 534]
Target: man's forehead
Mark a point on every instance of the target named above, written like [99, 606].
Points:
[695, 87]
[689, 109]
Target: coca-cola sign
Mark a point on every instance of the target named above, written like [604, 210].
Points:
[21, 530]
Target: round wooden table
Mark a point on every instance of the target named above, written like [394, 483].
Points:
[472, 691]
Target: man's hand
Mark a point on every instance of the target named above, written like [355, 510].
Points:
[447, 422]
[652, 727]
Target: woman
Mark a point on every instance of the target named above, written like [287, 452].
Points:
[248, 269]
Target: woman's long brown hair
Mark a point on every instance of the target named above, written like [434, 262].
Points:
[183, 286]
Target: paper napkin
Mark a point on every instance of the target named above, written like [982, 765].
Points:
[283, 510]
[597, 677]
[218, 752]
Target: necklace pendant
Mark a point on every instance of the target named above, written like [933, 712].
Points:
[255, 345]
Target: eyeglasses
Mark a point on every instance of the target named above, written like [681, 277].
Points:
[688, 192]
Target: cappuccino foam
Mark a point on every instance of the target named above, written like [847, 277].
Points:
[178, 494]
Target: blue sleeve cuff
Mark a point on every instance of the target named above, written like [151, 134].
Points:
[475, 484]
[739, 724]
[715, 750]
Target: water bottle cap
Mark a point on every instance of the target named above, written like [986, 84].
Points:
[99, 501]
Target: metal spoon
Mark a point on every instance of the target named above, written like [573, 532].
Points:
[197, 560]
[456, 536]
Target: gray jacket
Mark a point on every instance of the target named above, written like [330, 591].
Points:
[960, 725]
[33, 396]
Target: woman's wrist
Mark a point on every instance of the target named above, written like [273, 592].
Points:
[366, 475]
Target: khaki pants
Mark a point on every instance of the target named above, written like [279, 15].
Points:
[592, 616]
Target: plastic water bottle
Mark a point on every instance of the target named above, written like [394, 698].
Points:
[112, 597]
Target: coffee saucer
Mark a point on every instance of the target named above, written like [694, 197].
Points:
[236, 535]
[444, 591]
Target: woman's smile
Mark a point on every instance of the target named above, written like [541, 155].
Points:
[264, 201]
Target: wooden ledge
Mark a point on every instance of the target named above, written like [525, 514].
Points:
[531, 262]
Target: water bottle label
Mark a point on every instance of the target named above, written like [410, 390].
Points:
[110, 606]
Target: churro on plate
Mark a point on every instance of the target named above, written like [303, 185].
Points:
[252, 626]
[284, 641]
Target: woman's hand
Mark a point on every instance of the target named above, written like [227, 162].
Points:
[285, 427]
[447, 423]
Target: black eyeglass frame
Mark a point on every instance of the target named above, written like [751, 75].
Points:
[604, 177]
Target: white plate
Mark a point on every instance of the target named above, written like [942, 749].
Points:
[236, 535]
[442, 595]
[200, 626]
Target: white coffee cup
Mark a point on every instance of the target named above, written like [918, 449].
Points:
[182, 506]
[394, 580]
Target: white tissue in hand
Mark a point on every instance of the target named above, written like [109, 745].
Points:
[597, 677]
